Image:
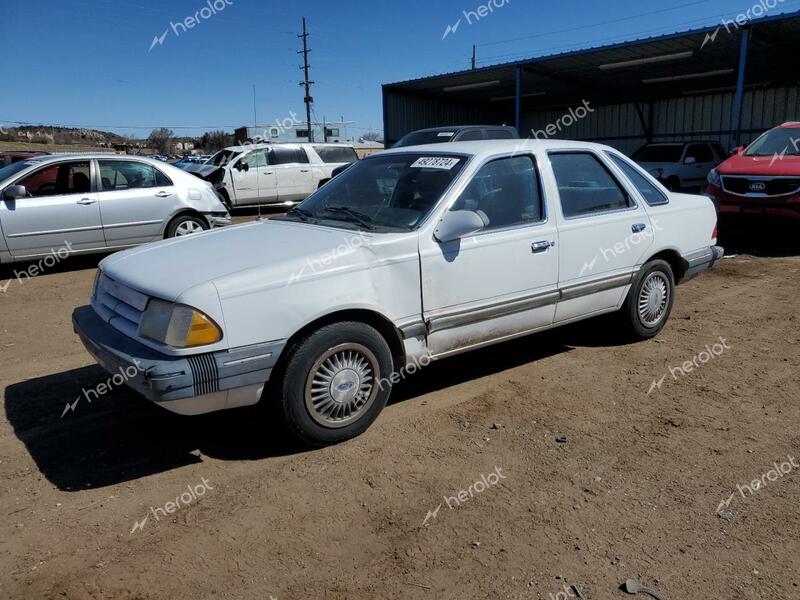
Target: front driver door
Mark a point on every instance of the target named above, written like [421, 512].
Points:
[502, 281]
[61, 211]
[253, 179]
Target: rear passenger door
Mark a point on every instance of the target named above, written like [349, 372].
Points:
[136, 200]
[603, 232]
[292, 172]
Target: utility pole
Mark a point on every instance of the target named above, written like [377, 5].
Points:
[324, 130]
[474, 55]
[306, 82]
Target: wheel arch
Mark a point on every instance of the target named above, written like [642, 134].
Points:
[181, 213]
[675, 261]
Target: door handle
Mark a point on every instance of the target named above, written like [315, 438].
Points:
[638, 228]
[163, 194]
[86, 201]
[269, 172]
[543, 246]
[304, 170]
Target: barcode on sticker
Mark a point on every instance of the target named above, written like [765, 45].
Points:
[435, 162]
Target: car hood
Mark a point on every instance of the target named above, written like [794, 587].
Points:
[761, 165]
[268, 252]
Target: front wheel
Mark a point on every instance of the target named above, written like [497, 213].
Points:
[650, 299]
[335, 383]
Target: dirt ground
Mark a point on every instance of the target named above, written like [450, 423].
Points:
[512, 472]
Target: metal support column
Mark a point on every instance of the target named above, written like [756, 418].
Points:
[518, 101]
[736, 118]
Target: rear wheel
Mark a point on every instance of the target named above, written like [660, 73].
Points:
[650, 300]
[186, 225]
[335, 383]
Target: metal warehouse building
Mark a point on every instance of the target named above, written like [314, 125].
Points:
[727, 84]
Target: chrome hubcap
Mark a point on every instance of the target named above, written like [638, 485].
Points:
[653, 299]
[341, 385]
[188, 228]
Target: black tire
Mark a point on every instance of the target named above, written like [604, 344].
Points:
[183, 222]
[323, 182]
[304, 405]
[657, 275]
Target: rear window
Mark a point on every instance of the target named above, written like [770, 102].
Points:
[420, 138]
[499, 134]
[336, 154]
[663, 153]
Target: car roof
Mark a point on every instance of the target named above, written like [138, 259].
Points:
[45, 158]
[260, 145]
[460, 128]
[490, 147]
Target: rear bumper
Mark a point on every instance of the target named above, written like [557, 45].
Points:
[216, 220]
[702, 260]
[190, 385]
[731, 204]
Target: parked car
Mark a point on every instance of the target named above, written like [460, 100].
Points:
[460, 133]
[99, 202]
[7, 158]
[272, 173]
[187, 161]
[682, 165]
[762, 179]
[408, 256]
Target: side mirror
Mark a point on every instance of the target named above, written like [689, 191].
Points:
[690, 160]
[737, 150]
[13, 192]
[242, 166]
[458, 223]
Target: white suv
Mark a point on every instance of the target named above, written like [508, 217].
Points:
[272, 173]
[680, 165]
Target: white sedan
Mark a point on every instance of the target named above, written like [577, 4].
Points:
[410, 255]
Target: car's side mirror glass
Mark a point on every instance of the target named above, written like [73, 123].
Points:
[14, 192]
[737, 150]
[242, 166]
[690, 160]
[459, 223]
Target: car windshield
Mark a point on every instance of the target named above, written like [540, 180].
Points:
[661, 153]
[222, 158]
[14, 168]
[776, 142]
[419, 138]
[392, 192]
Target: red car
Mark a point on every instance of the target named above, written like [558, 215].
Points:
[762, 179]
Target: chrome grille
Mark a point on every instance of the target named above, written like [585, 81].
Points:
[760, 186]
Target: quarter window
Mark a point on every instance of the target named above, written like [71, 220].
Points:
[118, 175]
[507, 191]
[586, 186]
[59, 180]
[652, 195]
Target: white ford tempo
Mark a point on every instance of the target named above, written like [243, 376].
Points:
[411, 254]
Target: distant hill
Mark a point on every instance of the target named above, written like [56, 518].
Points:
[34, 134]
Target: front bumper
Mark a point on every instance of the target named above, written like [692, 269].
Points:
[194, 384]
[767, 206]
[702, 260]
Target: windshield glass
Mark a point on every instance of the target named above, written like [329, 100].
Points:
[222, 158]
[663, 153]
[418, 138]
[14, 168]
[394, 192]
[778, 141]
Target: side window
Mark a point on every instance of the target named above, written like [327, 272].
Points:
[586, 186]
[471, 135]
[59, 180]
[701, 153]
[282, 156]
[499, 134]
[652, 195]
[300, 156]
[118, 175]
[507, 191]
[256, 158]
[721, 154]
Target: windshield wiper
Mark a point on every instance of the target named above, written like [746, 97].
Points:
[301, 213]
[361, 218]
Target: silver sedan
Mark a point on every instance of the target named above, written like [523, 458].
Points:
[99, 202]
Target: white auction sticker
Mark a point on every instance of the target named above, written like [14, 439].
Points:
[446, 134]
[436, 162]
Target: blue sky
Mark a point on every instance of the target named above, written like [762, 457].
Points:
[88, 63]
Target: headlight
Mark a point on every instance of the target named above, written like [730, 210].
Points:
[657, 173]
[178, 325]
[714, 178]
